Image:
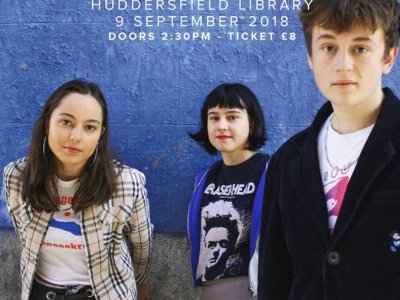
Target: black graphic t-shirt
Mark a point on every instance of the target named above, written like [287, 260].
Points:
[226, 218]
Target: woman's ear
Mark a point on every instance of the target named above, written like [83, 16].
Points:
[103, 129]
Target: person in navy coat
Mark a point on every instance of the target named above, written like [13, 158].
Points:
[331, 211]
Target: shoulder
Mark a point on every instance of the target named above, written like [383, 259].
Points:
[126, 174]
[204, 171]
[13, 171]
[208, 168]
[294, 142]
[262, 159]
[308, 136]
[291, 148]
[12, 178]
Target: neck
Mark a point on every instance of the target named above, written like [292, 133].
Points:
[350, 119]
[68, 173]
[66, 177]
[232, 159]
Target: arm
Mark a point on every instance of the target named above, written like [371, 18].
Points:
[140, 231]
[11, 186]
[143, 291]
[275, 265]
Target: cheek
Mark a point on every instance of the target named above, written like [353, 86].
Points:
[209, 130]
[243, 130]
[54, 142]
[320, 77]
[53, 135]
[93, 141]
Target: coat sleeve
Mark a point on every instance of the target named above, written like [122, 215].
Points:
[141, 228]
[11, 192]
[275, 263]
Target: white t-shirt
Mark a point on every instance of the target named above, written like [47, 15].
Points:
[62, 255]
[338, 155]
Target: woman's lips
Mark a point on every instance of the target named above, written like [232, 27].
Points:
[73, 149]
[223, 137]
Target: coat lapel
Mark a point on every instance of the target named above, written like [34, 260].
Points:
[370, 164]
[375, 156]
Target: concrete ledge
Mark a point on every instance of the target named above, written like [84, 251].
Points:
[170, 277]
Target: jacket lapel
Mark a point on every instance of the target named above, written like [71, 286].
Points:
[370, 164]
[375, 156]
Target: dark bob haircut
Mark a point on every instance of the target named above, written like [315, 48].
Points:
[233, 95]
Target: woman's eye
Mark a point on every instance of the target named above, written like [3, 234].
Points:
[65, 122]
[91, 128]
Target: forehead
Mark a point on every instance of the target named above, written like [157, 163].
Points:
[354, 34]
[217, 233]
[79, 105]
[218, 109]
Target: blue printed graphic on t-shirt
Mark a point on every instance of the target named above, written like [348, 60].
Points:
[71, 227]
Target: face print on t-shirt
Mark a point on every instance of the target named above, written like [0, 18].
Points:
[226, 219]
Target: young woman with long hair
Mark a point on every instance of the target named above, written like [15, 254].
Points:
[82, 216]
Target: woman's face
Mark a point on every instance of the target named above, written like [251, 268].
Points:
[228, 129]
[73, 131]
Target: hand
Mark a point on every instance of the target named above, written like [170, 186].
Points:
[143, 291]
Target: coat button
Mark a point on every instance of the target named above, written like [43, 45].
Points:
[333, 258]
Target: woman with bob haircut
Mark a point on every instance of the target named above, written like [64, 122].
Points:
[82, 217]
[224, 258]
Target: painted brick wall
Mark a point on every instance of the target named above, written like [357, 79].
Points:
[154, 88]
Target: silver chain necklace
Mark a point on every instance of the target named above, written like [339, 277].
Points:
[335, 169]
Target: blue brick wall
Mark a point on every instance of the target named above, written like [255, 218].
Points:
[154, 88]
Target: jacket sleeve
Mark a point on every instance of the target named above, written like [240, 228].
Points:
[141, 228]
[275, 264]
[11, 191]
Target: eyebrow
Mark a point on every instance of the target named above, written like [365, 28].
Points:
[332, 37]
[72, 117]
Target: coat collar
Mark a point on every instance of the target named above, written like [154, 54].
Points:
[375, 156]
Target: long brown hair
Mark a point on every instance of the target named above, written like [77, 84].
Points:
[97, 182]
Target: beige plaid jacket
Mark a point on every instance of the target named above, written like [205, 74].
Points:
[117, 234]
